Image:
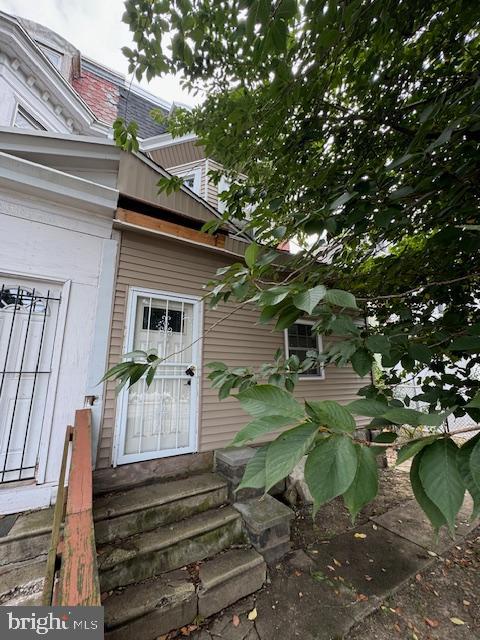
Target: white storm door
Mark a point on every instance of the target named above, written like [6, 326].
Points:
[161, 419]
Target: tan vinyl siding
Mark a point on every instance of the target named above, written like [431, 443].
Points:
[177, 153]
[171, 266]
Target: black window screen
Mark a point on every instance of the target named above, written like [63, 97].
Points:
[300, 341]
[157, 319]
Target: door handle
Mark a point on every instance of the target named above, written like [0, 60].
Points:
[190, 371]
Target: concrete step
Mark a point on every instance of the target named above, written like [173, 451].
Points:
[229, 577]
[25, 536]
[148, 610]
[126, 513]
[169, 547]
[22, 583]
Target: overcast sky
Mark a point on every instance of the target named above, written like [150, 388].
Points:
[94, 27]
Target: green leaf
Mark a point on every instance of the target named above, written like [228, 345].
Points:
[364, 487]
[343, 199]
[344, 326]
[251, 255]
[386, 437]
[441, 478]
[287, 317]
[254, 476]
[420, 352]
[475, 463]
[308, 300]
[341, 298]
[431, 511]
[378, 344]
[413, 447]
[332, 415]
[403, 416]
[259, 427]
[371, 408]
[463, 461]
[475, 403]
[330, 468]
[265, 400]
[225, 389]
[286, 9]
[466, 343]
[284, 452]
[362, 362]
[271, 297]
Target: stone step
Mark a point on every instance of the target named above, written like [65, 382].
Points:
[229, 577]
[25, 536]
[169, 547]
[22, 583]
[148, 610]
[126, 513]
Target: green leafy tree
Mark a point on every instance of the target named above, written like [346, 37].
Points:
[355, 128]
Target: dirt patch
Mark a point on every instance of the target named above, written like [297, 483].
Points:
[333, 518]
[440, 603]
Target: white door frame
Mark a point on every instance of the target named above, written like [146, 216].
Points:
[45, 437]
[122, 402]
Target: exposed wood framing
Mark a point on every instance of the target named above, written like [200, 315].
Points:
[154, 224]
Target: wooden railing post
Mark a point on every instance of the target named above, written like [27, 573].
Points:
[78, 583]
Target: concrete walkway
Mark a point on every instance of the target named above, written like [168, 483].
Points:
[321, 593]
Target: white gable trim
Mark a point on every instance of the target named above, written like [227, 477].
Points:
[165, 140]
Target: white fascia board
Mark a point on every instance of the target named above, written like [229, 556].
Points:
[60, 144]
[55, 186]
[17, 44]
[165, 140]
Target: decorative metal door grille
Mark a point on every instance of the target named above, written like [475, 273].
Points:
[27, 328]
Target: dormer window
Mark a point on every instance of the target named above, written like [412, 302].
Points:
[23, 120]
[191, 179]
[55, 57]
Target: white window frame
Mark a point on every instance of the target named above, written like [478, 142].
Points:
[196, 172]
[223, 185]
[119, 456]
[25, 113]
[46, 49]
[316, 376]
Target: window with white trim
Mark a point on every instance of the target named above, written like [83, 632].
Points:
[299, 340]
[191, 179]
[55, 57]
[23, 120]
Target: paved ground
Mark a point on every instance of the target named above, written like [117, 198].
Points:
[324, 593]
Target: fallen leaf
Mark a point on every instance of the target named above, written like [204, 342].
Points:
[431, 623]
[432, 553]
[300, 594]
[368, 578]
[298, 573]
[360, 535]
[418, 577]
[397, 628]
[374, 527]
[329, 566]
[457, 621]
[235, 620]
[339, 564]
[466, 603]
[361, 597]
[253, 614]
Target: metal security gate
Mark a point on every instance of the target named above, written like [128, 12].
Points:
[28, 323]
[161, 420]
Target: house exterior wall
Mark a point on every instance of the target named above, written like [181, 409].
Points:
[177, 154]
[176, 267]
[53, 243]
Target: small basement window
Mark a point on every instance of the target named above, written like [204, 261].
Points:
[299, 340]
